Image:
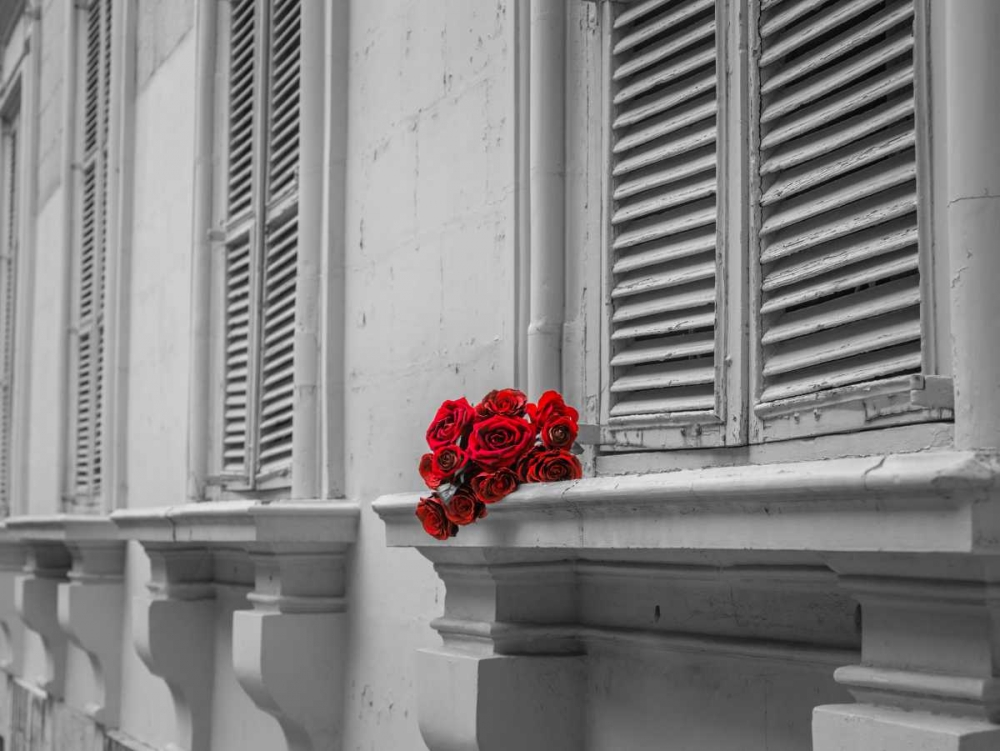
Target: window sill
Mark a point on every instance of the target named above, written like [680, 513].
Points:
[921, 502]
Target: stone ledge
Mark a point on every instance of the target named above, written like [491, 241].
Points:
[242, 522]
[929, 502]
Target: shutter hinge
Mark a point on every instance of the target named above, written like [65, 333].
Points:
[932, 392]
[216, 235]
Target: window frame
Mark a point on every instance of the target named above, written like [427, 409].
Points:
[303, 476]
[737, 333]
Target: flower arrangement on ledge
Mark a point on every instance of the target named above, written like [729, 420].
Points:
[478, 455]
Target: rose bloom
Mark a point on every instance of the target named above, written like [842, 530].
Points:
[464, 508]
[552, 465]
[506, 402]
[550, 406]
[447, 461]
[432, 477]
[559, 432]
[490, 487]
[432, 515]
[498, 441]
[451, 423]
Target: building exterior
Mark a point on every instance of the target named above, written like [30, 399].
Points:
[248, 246]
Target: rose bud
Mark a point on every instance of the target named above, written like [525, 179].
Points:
[451, 423]
[505, 402]
[432, 515]
[490, 487]
[553, 465]
[432, 478]
[550, 406]
[464, 508]
[499, 441]
[447, 461]
[559, 432]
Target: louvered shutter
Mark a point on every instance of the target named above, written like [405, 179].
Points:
[240, 261]
[281, 240]
[665, 235]
[839, 289]
[92, 236]
[262, 249]
[8, 269]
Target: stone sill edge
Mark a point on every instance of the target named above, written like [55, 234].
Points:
[777, 506]
[222, 521]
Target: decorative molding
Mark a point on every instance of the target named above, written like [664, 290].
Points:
[288, 652]
[921, 502]
[89, 605]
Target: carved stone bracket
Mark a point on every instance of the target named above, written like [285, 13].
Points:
[289, 651]
[88, 602]
[929, 675]
[12, 560]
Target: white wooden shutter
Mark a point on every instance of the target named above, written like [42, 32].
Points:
[262, 249]
[92, 232]
[281, 240]
[839, 283]
[240, 272]
[8, 269]
[665, 242]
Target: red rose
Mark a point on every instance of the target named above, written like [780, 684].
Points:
[521, 465]
[498, 441]
[464, 508]
[550, 406]
[552, 465]
[559, 432]
[432, 478]
[490, 487]
[432, 515]
[506, 402]
[450, 424]
[447, 461]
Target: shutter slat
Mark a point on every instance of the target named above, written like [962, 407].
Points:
[637, 10]
[815, 25]
[870, 303]
[863, 94]
[664, 403]
[678, 347]
[663, 253]
[840, 292]
[692, 372]
[665, 101]
[237, 349]
[668, 150]
[842, 192]
[646, 30]
[673, 222]
[243, 95]
[666, 73]
[691, 317]
[841, 161]
[666, 48]
[676, 197]
[675, 172]
[839, 46]
[283, 93]
[674, 275]
[842, 254]
[665, 126]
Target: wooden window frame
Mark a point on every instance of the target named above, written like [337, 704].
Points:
[738, 280]
[302, 201]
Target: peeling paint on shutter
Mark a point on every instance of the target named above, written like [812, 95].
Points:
[277, 363]
[237, 357]
[283, 92]
[8, 289]
[92, 233]
[664, 214]
[840, 299]
[243, 102]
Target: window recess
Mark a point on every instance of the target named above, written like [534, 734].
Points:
[260, 244]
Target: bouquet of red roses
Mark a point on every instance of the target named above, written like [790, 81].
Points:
[480, 454]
